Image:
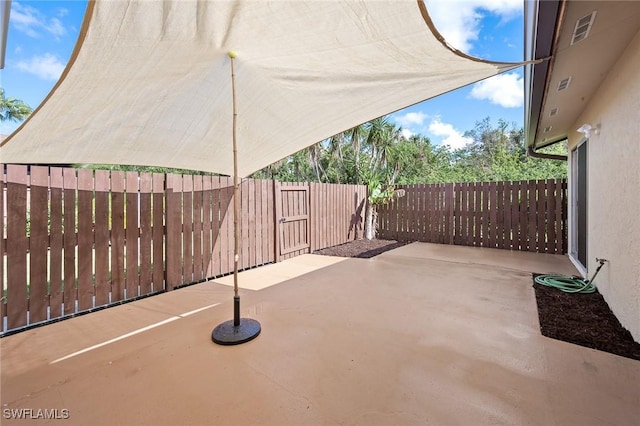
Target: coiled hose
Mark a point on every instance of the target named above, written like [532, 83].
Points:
[570, 284]
[566, 284]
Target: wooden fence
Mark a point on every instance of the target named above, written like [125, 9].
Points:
[74, 240]
[526, 215]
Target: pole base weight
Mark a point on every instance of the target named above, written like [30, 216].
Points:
[229, 334]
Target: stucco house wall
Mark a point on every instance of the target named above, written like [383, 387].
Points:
[613, 204]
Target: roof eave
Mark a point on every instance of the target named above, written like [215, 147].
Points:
[540, 32]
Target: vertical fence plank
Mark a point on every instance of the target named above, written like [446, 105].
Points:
[541, 217]
[264, 235]
[437, 210]
[550, 217]
[38, 244]
[522, 215]
[187, 229]
[532, 215]
[3, 246]
[198, 229]
[554, 210]
[17, 244]
[158, 232]
[515, 219]
[413, 219]
[173, 197]
[437, 220]
[448, 211]
[117, 235]
[216, 226]
[70, 240]
[131, 235]
[493, 215]
[320, 216]
[481, 211]
[244, 224]
[486, 214]
[500, 215]
[223, 238]
[342, 214]
[403, 216]
[508, 205]
[559, 215]
[271, 221]
[431, 209]
[145, 213]
[313, 216]
[467, 210]
[476, 220]
[259, 208]
[251, 225]
[442, 213]
[101, 237]
[226, 218]
[86, 288]
[473, 214]
[418, 219]
[55, 241]
[426, 193]
[456, 213]
[207, 225]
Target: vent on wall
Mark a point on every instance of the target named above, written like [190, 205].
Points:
[553, 112]
[583, 26]
[564, 83]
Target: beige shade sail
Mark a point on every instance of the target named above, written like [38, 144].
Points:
[149, 82]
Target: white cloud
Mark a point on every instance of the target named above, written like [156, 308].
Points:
[32, 22]
[47, 66]
[406, 133]
[459, 20]
[506, 90]
[411, 119]
[449, 135]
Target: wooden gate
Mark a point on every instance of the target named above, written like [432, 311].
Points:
[292, 215]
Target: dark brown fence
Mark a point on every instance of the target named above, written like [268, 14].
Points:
[74, 240]
[525, 215]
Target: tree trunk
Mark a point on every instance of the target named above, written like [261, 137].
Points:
[371, 225]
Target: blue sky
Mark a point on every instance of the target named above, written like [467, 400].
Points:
[42, 35]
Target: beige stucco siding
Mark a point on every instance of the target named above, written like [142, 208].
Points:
[614, 186]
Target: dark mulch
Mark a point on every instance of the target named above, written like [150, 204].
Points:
[583, 319]
[361, 248]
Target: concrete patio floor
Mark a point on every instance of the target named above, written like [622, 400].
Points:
[423, 334]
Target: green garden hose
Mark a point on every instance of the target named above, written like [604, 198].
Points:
[566, 284]
[570, 284]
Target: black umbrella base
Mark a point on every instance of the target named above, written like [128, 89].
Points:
[228, 334]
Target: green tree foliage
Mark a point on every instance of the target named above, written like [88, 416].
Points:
[12, 109]
[377, 152]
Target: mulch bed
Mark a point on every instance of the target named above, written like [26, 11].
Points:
[361, 248]
[582, 319]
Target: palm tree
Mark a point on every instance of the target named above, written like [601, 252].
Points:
[382, 137]
[12, 109]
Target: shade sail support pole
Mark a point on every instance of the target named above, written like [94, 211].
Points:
[239, 330]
